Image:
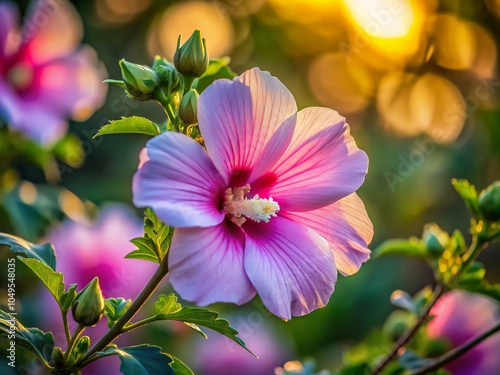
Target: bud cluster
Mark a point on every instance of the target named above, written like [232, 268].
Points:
[169, 83]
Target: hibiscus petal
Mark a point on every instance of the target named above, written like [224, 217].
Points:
[53, 29]
[291, 266]
[206, 265]
[347, 228]
[242, 122]
[322, 164]
[179, 181]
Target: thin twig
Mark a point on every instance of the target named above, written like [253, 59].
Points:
[141, 299]
[457, 352]
[438, 291]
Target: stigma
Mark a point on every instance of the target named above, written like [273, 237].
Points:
[240, 208]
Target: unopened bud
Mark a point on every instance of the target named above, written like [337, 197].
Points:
[435, 239]
[88, 305]
[489, 202]
[188, 110]
[57, 356]
[192, 58]
[140, 80]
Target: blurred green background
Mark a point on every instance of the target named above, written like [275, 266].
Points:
[418, 82]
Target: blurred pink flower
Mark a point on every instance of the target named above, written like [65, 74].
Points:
[97, 249]
[270, 208]
[221, 356]
[460, 316]
[44, 75]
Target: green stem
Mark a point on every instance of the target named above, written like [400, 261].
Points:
[140, 323]
[457, 352]
[438, 291]
[188, 83]
[78, 331]
[473, 252]
[141, 299]
[66, 326]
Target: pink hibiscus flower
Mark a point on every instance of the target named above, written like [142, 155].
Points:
[269, 208]
[44, 76]
[460, 316]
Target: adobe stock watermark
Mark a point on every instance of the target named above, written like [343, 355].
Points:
[46, 9]
[380, 20]
[423, 149]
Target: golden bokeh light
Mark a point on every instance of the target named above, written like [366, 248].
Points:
[455, 42]
[411, 105]
[382, 18]
[344, 84]
[120, 11]
[28, 192]
[438, 107]
[393, 103]
[184, 18]
[391, 28]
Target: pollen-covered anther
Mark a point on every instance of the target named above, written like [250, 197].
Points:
[241, 208]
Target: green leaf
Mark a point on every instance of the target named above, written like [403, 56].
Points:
[197, 316]
[217, 69]
[141, 360]
[67, 298]
[156, 242]
[403, 300]
[468, 193]
[180, 367]
[114, 308]
[52, 280]
[412, 247]
[146, 250]
[167, 304]
[134, 124]
[44, 253]
[39, 342]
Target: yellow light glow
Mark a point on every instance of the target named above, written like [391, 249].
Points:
[183, 18]
[382, 18]
[391, 28]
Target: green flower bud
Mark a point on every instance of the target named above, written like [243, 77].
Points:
[88, 305]
[57, 356]
[192, 58]
[435, 239]
[140, 80]
[489, 202]
[188, 110]
[170, 79]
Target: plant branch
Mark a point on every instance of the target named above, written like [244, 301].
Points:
[141, 299]
[457, 352]
[438, 291]
[78, 331]
[140, 323]
[66, 326]
[473, 252]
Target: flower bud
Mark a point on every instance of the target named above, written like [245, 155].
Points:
[57, 356]
[88, 305]
[140, 80]
[188, 110]
[170, 79]
[192, 58]
[489, 202]
[435, 239]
